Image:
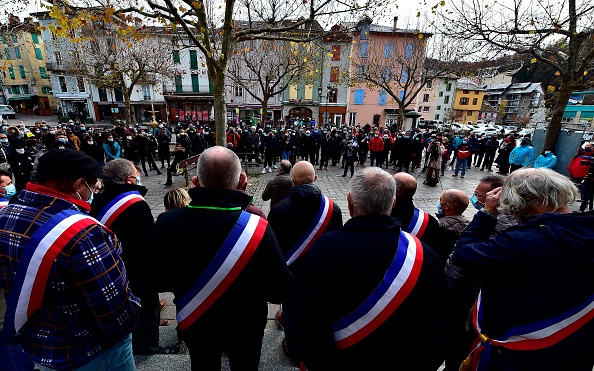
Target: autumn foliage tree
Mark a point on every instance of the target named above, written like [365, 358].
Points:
[529, 28]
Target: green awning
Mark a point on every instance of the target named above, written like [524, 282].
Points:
[21, 97]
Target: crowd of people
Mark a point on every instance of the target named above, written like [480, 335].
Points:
[82, 268]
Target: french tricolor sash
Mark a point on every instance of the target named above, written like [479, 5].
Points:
[397, 283]
[3, 203]
[117, 206]
[28, 288]
[313, 232]
[418, 224]
[537, 335]
[222, 271]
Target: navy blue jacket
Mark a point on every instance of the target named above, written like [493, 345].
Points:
[532, 272]
[340, 271]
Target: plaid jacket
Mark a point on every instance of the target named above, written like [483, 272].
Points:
[88, 305]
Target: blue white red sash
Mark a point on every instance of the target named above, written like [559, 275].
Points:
[419, 223]
[313, 232]
[3, 203]
[35, 264]
[397, 283]
[538, 335]
[117, 206]
[222, 271]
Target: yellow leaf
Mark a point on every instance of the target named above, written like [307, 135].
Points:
[550, 88]
[420, 36]
[557, 73]
[533, 60]
[305, 60]
[532, 32]
[418, 14]
[585, 73]
[442, 3]
[182, 9]
[196, 5]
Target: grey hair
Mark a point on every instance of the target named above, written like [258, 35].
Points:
[372, 191]
[218, 167]
[118, 170]
[534, 187]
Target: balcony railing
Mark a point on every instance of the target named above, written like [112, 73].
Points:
[52, 66]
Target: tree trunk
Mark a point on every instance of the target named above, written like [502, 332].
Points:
[220, 108]
[127, 108]
[264, 109]
[565, 91]
[401, 116]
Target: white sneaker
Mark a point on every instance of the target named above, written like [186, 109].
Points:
[269, 170]
[275, 167]
[264, 171]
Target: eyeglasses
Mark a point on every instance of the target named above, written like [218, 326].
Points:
[479, 195]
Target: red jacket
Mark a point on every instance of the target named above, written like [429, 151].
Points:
[234, 140]
[376, 144]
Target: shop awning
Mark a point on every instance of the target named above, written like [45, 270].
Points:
[21, 97]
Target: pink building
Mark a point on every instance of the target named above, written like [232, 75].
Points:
[393, 57]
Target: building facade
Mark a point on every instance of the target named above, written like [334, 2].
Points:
[468, 100]
[435, 99]
[25, 78]
[520, 100]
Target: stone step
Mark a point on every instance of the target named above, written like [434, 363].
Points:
[272, 357]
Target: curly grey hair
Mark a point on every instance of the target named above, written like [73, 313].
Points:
[373, 191]
[533, 187]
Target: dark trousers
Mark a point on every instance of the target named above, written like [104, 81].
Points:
[350, 162]
[268, 158]
[145, 339]
[489, 157]
[164, 156]
[148, 157]
[514, 167]
[375, 157]
[324, 159]
[243, 350]
[478, 158]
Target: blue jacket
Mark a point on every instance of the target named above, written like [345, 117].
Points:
[546, 161]
[457, 142]
[522, 155]
[532, 272]
[108, 151]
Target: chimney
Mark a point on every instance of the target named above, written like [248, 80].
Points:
[395, 22]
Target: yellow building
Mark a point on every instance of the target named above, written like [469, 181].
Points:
[468, 100]
[24, 79]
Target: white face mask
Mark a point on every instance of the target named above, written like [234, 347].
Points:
[20, 151]
[90, 142]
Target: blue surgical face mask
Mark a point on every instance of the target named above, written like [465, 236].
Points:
[476, 203]
[439, 211]
[547, 153]
[465, 142]
[90, 200]
[10, 190]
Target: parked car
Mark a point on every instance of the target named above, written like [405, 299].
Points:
[588, 136]
[525, 133]
[487, 130]
[7, 111]
[510, 129]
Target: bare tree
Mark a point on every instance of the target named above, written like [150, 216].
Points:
[402, 70]
[112, 58]
[265, 68]
[528, 27]
[214, 29]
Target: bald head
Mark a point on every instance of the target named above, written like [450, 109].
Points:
[406, 185]
[303, 173]
[218, 167]
[457, 201]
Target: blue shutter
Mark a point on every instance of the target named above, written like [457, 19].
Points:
[382, 98]
[359, 96]
[401, 95]
[408, 51]
[364, 31]
[386, 74]
[363, 50]
[388, 50]
[404, 75]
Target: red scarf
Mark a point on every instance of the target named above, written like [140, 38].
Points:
[34, 187]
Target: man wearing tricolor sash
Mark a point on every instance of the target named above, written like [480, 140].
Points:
[121, 207]
[298, 221]
[536, 304]
[223, 265]
[382, 292]
[69, 303]
[412, 219]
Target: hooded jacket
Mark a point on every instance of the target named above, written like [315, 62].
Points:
[532, 272]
